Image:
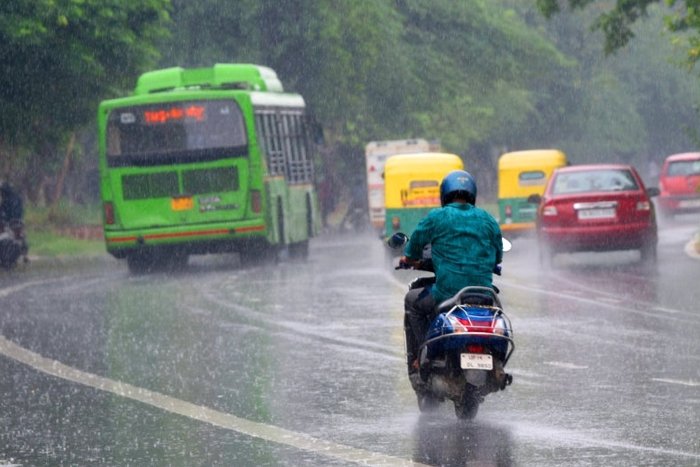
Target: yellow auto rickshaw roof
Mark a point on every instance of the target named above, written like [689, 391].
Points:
[532, 158]
[402, 170]
[422, 163]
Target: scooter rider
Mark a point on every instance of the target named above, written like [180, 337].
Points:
[466, 247]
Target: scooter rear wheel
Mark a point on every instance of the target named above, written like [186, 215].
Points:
[427, 402]
[467, 407]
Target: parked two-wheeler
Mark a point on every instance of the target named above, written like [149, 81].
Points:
[466, 349]
[13, 244]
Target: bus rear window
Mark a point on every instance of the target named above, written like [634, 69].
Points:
[174, 132]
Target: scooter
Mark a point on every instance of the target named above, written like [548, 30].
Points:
[466, 349]
[13, 244]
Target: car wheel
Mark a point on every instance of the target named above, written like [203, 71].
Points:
[546, 255]
[648, 253]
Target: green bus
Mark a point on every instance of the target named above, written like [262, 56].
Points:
[207, 160]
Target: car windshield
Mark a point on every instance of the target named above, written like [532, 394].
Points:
[594, 180]
[680, 168]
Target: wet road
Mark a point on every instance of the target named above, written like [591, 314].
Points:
[302, 364]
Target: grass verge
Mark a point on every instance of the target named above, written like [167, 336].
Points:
[49, 230]
[48, 243]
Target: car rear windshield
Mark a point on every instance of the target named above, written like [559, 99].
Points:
[594, 180]
[680, 168]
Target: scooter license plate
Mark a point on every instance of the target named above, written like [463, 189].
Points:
[476, 361]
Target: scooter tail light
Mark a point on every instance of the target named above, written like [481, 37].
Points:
[473, 348]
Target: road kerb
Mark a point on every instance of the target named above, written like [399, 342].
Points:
[692, 248]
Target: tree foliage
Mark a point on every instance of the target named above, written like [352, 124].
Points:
[59, 58]
[481, 76]
[617, 22]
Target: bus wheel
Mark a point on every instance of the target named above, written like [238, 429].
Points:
[280, 222]
[178, 261]
[299, 250]
[140, 263]
[262, 254]
[309, 217]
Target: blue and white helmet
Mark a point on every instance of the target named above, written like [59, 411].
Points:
[458, 183]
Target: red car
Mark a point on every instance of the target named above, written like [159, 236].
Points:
[679, 183]
[596, 207]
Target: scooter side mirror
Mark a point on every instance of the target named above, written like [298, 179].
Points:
[396, 241]
[506, 244]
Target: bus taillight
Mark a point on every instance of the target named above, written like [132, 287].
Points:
[109, 213]
[255, 201]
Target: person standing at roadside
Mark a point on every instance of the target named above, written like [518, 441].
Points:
[11, 215]
[11, 207]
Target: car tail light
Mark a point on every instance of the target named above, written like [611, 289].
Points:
[549, 211]
[643, 205]
[395, 223]
[109, 213]
[255, 201]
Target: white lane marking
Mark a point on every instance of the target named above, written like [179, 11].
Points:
[666, 310]
[591, 301]
[677, 381]
[197, 412]
[302, 329]
[567, 438]
[18, 288]
[567, 365]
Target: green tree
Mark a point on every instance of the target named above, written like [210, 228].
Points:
[617, 22]
[634, 105]
[60, 57]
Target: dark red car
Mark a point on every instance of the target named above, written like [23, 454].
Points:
[679, 183]
[596, 207]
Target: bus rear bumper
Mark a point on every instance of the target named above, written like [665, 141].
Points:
[189, 239]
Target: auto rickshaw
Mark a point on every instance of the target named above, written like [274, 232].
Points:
[520, 175]
[412, 187]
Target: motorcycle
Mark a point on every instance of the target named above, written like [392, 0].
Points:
[13, 243]
[466, 348]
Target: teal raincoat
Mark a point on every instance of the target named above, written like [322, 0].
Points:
[466, 246]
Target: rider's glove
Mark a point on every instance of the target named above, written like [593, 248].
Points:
[406, 263]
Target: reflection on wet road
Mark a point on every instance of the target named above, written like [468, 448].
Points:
[302, 364]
